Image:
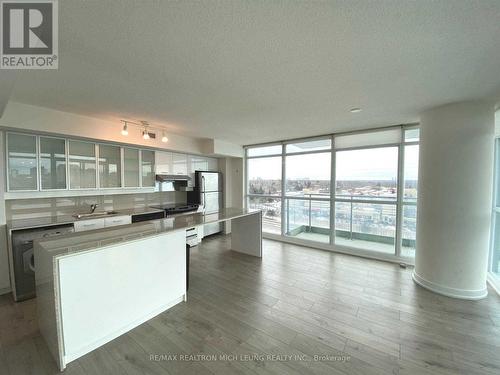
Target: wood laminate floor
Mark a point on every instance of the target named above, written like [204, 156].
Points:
[296, 311]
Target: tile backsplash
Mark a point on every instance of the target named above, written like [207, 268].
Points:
[43, 207]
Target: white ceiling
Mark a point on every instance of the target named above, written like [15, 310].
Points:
[254, 71]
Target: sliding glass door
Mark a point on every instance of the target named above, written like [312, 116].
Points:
[366, 198]
[307, 190]
[264, 185]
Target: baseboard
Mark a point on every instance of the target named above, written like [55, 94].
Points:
[5, 291]
[450, 292]
[96, 344]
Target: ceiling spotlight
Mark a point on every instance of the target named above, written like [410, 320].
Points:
[355, 110]
[145, 133]
[164, 138]
[125, 129]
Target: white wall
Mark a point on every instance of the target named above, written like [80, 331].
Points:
[454, 199]
[232, 171]
[7, 80]
[221, 148]
[38, 119]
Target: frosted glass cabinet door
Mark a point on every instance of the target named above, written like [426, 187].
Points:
[179, 162]
[148, 168]
[213, 164]
[131, 167]
[197, 163]
[163, 162]
[52, 163]
[82, 165]
[110, 169]
[21, 159]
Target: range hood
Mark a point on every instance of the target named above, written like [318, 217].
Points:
[172, 177]
[173, 182]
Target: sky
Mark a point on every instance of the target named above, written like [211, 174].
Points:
[365, 164]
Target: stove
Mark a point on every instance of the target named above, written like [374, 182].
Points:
[175, 208]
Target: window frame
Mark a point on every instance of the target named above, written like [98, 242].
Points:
[398, 202]
[494, 278]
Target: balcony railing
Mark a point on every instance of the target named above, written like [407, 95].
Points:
[363, 218]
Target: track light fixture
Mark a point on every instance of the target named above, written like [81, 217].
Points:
[145, 133]
[125, 128]
[145, 130]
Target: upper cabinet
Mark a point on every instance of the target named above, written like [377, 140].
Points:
[82, 165]
[110, 166]
[163, 161]
[213, 164]
[202, 163]
[179, 163]
[53, 163]
[148, 168]
[46, 163]
[131, 167]
[197, 163]
[22, 162]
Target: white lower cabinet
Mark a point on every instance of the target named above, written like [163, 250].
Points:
[200, 233]
[117, 220]
[105, 222]
[92, 224]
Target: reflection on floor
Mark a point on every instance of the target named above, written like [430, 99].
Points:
[316, 237]
[359, 244]
[330, 313]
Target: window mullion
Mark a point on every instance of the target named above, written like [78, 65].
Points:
[399, 197]
[332, 191]
[283, 189]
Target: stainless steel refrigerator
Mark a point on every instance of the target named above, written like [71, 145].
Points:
[208, 193]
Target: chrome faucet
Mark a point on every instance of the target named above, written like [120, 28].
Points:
[93, 207]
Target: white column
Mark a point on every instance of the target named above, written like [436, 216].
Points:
[454, 199]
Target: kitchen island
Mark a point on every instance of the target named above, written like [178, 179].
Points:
[94, 286]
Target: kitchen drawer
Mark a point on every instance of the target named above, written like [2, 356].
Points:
[117, 220]
[84, 225]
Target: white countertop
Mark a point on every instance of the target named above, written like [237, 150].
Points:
[74, 243]
[47, 221]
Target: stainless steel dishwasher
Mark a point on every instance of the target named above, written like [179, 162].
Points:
[23, 258]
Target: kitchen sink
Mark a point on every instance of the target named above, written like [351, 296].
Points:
[95, 214]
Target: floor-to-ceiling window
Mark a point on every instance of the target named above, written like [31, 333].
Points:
[307, 189]
[366, 198]
[264, 184]
[409, 199]
[356, 191]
